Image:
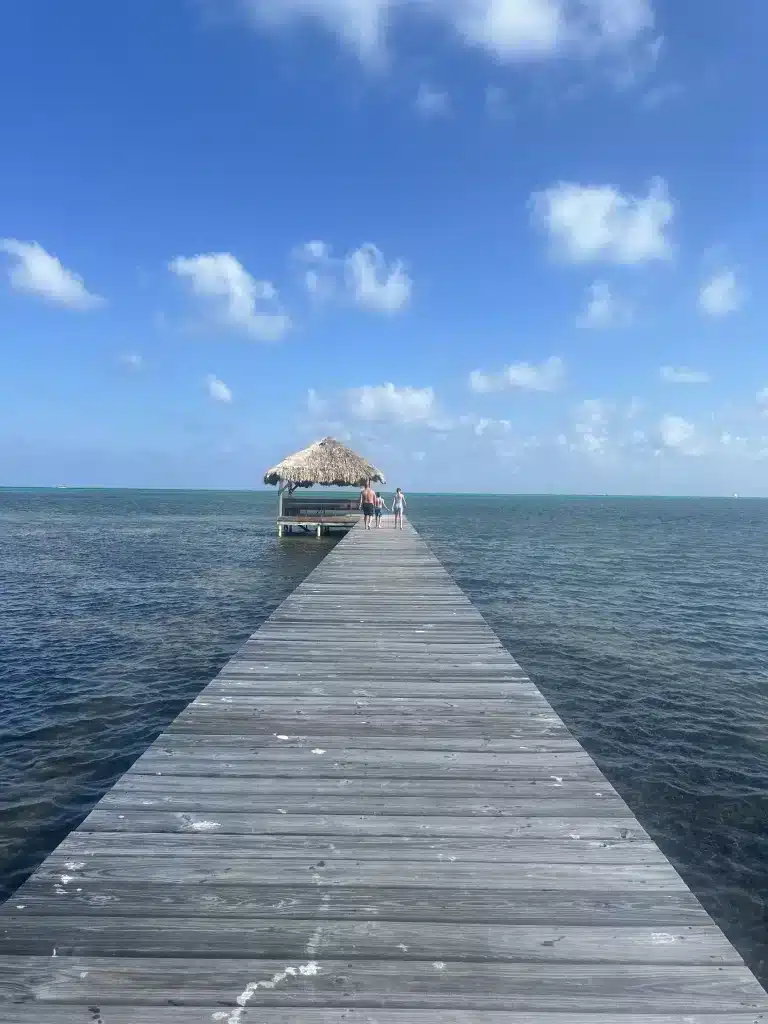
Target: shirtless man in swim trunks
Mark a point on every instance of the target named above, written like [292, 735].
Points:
[368, 504]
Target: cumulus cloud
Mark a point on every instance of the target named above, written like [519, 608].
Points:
[591, 426]
[598, 223]
[132, 360]
[679, 435]
[546, 376]
[37, 272]
[238, 300]
[431, 102]
[483, 425]
[364, 277]
[217, 389]
[313, 251]
[375, 284]
[509, 30]
[603, 308]
[360, 25]
[387, 403]
[762, 396]
[721, 294]
[682, 375]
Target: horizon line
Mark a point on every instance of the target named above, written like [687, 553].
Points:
[462, 494]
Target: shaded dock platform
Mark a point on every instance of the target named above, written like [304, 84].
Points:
[370, 816]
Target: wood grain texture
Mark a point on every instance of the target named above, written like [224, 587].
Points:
[206, 1015]
[622, 908]
[367, 940]
[370, 816]
[30, 1014]
[385, 984]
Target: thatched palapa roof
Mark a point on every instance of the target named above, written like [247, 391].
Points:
[325, 462]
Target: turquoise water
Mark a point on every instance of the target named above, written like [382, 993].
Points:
[644, 621]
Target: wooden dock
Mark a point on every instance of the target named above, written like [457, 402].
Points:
[371, 816]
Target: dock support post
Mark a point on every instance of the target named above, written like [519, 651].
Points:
[319, 530]
[279, 529]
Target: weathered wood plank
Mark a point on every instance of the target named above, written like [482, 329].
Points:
[272, 939]
[445, 874]
[101, 981]
[490, 827]
[633, 907]
[187, 734]
[30, 1014]
[556, 805]
[206, 840]
[490, 794]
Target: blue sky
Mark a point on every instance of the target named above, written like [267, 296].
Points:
[508, 245]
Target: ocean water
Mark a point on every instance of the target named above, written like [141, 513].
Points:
[644, 622]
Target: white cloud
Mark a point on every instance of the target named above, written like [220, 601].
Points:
[38, 272]
[591, 223]
[721, 294]
[431, 102]
[376, 285]
[547, 376]
[319, 286]
[484, 425]
[217, 389]
[682, 375]
[363, 277]
[132, 360]
[239, 300]
[762, 396]
[591, 427]
[313, 251]
[319, 279]
[509, 30]
[678, 435]
[360, 25]
[603, 308]
[387, 403]
[419, 456]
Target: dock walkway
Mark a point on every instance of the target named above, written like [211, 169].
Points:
[371, 816]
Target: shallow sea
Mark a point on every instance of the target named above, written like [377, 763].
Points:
[644, 622]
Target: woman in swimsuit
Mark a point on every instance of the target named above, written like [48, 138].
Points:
[398, 506]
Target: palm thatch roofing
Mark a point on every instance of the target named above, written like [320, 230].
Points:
[327, 462]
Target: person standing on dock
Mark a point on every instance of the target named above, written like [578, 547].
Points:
[380, 506]
[367, 504]
[398, 507]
